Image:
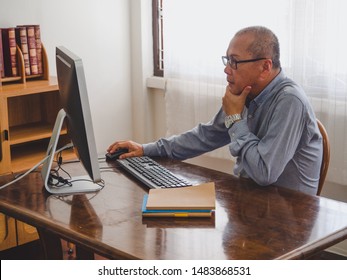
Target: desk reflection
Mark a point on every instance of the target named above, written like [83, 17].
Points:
[179, 222]
[83, 217]
[274, 217]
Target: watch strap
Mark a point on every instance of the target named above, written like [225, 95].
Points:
[231, 119]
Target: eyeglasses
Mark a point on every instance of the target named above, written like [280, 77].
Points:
[233, 62]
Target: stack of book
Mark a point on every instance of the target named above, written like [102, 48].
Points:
[28, 39]
[185, 202]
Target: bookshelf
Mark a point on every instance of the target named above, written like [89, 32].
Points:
[28, 108]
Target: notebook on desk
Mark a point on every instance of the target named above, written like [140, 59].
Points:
[195, 201]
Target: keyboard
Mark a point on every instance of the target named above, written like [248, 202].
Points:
[151, 173]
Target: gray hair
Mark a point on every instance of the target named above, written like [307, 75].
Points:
[265, 43]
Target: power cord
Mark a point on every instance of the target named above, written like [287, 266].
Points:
[68, 146]
[54, 179]
[58, 181]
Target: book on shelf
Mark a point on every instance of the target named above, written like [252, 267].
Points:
[9, 47]
[28, 39]
[38, 48]
[2, 69]
[192, 201]
[33, 35]
[22, 42]
[32, 50]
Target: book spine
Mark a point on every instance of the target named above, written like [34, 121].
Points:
[38, 48]
[10, 52]
[32, 50]
[13, 51]
[179, 215]
[22, 41]
[2, 69]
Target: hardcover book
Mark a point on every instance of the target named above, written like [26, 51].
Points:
[193, 201]
[2, 70]
[178, 213]
[22, 41]
[9, 46]
[38, 48]
[32, 50]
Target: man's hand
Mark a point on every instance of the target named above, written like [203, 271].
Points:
[232, 103]
[134, 149]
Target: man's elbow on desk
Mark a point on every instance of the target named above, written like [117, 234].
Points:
[261, 179]
[264, 181]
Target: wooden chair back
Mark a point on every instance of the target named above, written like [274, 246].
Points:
[325, 158]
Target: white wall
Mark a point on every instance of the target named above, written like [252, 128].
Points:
[141, 68]
[98, 32]
[114, 40]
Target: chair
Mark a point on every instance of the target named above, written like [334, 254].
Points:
[326, 157]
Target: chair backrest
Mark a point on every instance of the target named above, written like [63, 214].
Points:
[326, 157]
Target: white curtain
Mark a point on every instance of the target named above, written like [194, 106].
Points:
[313, 53]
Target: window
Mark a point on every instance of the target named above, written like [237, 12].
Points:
[197, 33]
[158, 50]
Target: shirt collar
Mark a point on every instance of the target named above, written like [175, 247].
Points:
[265, 93]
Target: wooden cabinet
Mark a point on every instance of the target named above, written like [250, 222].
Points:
[8, 233]
[27, 112]
[28, 109]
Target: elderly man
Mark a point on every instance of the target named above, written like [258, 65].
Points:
[266, 119]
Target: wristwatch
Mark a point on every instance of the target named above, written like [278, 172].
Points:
[231, 119]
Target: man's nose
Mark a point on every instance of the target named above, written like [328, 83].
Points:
[227, 69]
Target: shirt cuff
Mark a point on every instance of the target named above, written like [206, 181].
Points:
[150, 149]
[238, 129]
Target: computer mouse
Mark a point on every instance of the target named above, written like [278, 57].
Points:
[116, 154]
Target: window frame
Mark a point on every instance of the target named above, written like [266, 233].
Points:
[157, 26]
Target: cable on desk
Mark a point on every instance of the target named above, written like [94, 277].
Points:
[55, 180]
[67, 146]
[58, 181]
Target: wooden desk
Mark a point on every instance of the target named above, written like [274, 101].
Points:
[251, 222]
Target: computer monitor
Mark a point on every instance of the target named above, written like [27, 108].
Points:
[76, 112]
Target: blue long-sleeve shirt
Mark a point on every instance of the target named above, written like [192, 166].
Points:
[276, 142]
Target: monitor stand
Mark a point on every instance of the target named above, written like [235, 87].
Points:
[79, 184]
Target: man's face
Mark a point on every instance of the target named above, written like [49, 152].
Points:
[246, 74]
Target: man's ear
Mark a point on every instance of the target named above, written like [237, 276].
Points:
[266, 70]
